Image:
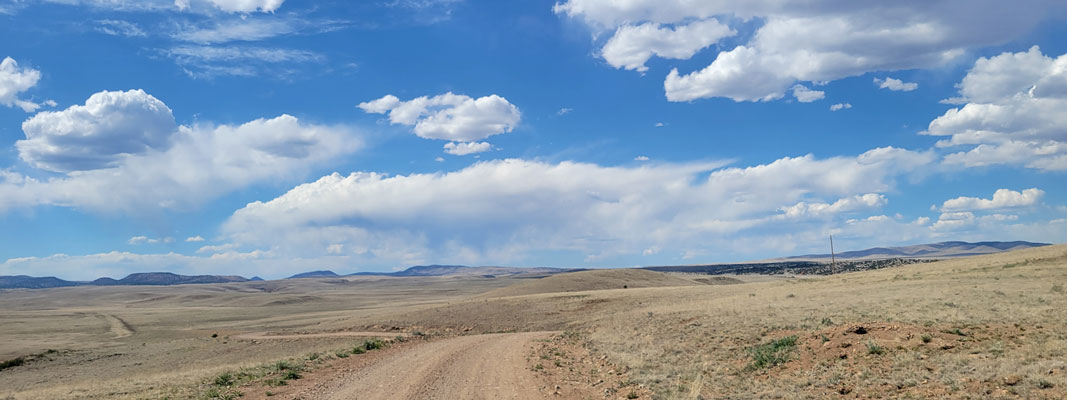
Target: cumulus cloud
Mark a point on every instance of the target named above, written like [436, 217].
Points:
[15, 80]
[239, 6]
[631, 46]
[1012, 113]
[449, 116]
[501, 211]
[99, 134]
[462, 149]
[1002, 198]
[853, 203]
[840, 106]
[805, 95]
[895, 85]
[193, 239]
[194, 164]
[817, 41]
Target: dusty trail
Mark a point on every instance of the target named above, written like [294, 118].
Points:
[491, 366]
[118, 326]
[269, 336]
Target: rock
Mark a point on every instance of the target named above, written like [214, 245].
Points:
[1012, 380]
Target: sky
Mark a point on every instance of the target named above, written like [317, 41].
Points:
[270, 137]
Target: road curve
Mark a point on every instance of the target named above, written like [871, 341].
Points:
[491, 366]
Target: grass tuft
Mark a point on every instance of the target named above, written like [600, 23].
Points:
[774, 353]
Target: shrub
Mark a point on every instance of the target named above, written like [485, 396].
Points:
[225, 379]
[373, 344]
[291, 375]
[285, 366]
[12, 363]
[926, 338]
[358, 350]
[875, 348]
[342, 354]
[773, 353]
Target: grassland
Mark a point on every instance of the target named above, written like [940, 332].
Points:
[983, 327]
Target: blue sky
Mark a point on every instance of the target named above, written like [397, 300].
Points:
[268, 137]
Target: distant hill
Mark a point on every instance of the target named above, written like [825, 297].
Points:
[144, 278]
[167, 278]
[315, 274]
[30, 282]
[931, 250]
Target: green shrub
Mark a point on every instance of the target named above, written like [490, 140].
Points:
[773, 353]
[875, 348]
[12, 363]
[225, 379]
[926, 338]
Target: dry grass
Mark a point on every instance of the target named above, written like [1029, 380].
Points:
[983, 327]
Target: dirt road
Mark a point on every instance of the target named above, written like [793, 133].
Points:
[489, 366]
[269, 336]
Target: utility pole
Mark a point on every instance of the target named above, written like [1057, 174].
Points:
[833, 258]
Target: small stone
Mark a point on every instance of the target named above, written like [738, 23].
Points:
[1012, 380]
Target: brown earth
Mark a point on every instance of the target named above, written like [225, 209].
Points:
[994, 327]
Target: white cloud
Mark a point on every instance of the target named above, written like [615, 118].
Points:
[564, 111]
[251, 28]
[462, 149]
[15, 80]
[99, 134]
[641, 158]
[660, 125]
[1012, 113]
[805, 95]
[196, 238]
[840, 106]
[197, 6]
[848, 204]
[503, 211]
[449, 116]
[632, 46]
[1002, 198]
[818, 41]
[222, 248]
[195, 164]
[213, 61]
[147, 240]
[119, 28]
[895, 85]
[237, 6]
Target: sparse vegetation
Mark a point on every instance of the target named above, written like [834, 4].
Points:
[874, 348]
[14, 362]
[677, 342]
[774, 353]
